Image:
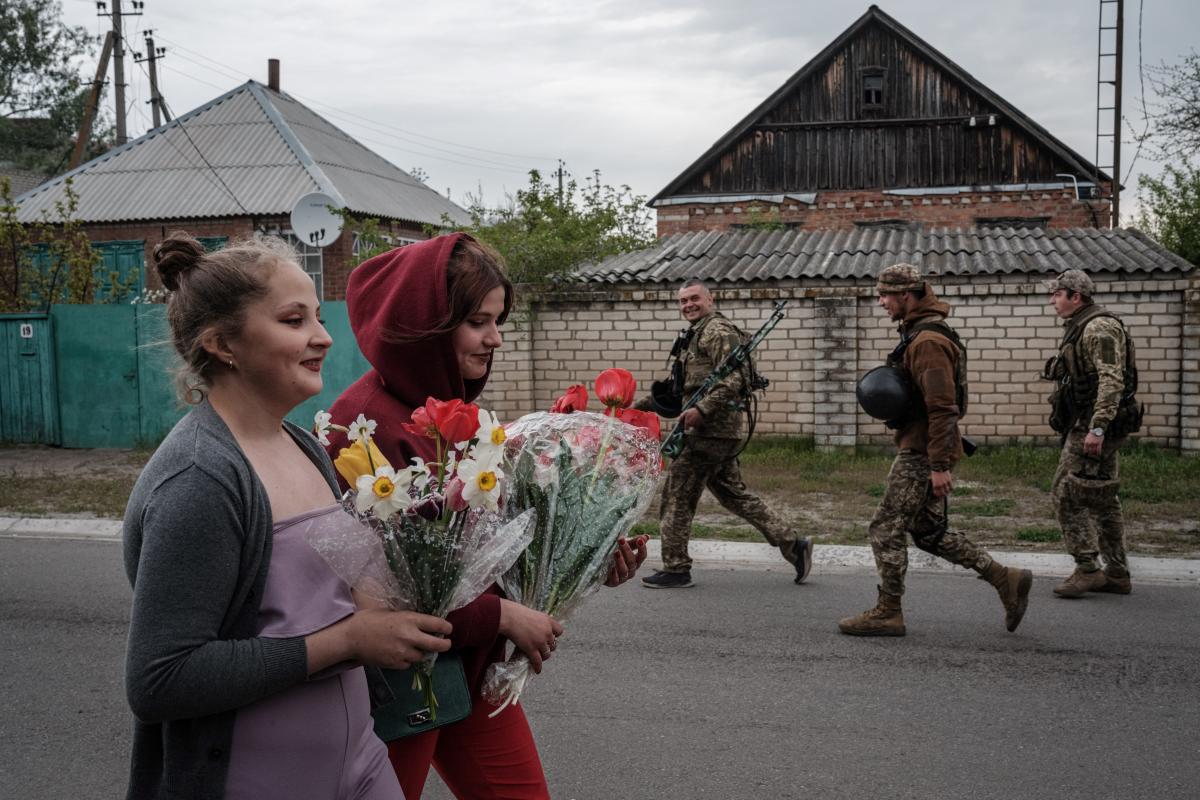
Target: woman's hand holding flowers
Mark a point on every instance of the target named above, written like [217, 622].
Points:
[533, 633]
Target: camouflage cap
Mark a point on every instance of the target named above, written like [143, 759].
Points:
[1074, 280]
[899, 278]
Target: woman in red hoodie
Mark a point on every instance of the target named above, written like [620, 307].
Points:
[427, 317]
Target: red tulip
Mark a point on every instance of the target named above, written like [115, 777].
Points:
[646, 420]
[615, 388]
[573, 399]
[421, 425]
[454, 420]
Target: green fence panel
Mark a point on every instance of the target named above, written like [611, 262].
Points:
[105, 376]
[97, 374]
[28, 391]
[343, 366]
[158, 405]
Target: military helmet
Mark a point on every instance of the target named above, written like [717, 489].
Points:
[884, 393]
[664, 401]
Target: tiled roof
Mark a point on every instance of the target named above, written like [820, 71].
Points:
[729, 256]
[250, 151]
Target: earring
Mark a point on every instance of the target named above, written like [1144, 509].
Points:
[231, 363]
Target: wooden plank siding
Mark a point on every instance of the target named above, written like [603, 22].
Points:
[819, 137]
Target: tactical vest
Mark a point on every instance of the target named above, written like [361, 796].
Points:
[1075, 386]
[896, 360]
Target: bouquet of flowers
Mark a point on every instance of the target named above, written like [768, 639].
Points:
[432, 536]
[587, 478]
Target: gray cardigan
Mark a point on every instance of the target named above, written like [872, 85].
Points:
[197, 547]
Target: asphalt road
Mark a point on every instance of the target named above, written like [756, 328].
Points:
[738, 688]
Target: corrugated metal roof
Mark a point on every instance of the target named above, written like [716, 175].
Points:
[735, 256]
[249, 151]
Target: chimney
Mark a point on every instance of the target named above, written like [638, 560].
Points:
[273, 74]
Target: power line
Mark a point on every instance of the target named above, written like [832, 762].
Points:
[232, 72]
[477, 164]
[216, 174]
[1145, 114]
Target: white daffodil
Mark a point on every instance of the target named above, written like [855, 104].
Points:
[490, 437]
[385, 492]
[321, 426]
[361, 428]
[421, 473]
[481, 482]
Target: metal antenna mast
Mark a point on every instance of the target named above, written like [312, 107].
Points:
[1108, 73]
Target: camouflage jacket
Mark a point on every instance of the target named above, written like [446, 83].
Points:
[713, 339]
[1098, 366]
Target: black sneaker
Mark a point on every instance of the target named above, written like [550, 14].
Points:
[799, 555]
[668, 580]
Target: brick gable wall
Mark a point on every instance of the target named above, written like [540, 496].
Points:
[840, 210]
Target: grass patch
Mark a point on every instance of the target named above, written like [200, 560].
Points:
[876, 489]
[48, 495]
[1037, 534]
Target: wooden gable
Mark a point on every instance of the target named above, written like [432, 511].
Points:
[880, 109]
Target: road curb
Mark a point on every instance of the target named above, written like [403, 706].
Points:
[708, 553]
[59, 528]
[712, 553]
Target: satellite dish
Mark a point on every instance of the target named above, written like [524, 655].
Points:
[313, 222]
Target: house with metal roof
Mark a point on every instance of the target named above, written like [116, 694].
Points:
[233, 166]
[878, 151]
[880, 126]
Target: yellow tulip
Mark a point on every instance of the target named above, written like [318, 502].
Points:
[351, 462]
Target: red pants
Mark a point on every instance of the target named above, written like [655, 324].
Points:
[478, 758]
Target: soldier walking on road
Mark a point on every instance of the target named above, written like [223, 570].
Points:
[713, 437]
[932, 360]
[1094, 407]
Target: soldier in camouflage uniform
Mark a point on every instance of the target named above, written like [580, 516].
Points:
[1094, 407]
[713, 434]
[929, 445]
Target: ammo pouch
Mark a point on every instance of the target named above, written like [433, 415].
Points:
[1088, 489]
[1061, 412]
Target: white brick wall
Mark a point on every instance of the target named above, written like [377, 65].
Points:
[834, 332]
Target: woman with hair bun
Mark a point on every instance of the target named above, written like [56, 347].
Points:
[243, 666]
[427, 317]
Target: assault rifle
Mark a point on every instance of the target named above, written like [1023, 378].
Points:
[673, 445]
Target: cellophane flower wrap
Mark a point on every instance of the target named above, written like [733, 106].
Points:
[431, 536]
[587, 478]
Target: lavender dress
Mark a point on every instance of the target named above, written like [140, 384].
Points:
[315, 739]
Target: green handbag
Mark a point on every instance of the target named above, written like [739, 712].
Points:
[408, 713]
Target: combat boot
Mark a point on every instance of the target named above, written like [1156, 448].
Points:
[1080, 583]
[1013, 586]
[885, 619]
[1115, 585]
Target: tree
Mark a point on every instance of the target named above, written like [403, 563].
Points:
[1170, 209]
[1175, 121]
[550, 229]
[52, 261]
[42, 93]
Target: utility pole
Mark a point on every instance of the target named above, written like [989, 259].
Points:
[119, 58]
[89, 111]
[1116, 191]
[153, 54]
[560, 183]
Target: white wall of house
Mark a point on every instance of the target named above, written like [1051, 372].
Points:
[834, 332]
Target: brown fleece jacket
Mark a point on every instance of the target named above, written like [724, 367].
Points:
[930, 361]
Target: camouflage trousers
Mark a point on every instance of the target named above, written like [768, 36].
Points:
[1087, 506]
[908, 509]
[710, 463]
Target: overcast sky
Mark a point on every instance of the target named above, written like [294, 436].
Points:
[477, 92]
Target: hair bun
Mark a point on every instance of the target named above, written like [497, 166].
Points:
[175, 255]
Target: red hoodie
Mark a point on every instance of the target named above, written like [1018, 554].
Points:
[405, 290]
